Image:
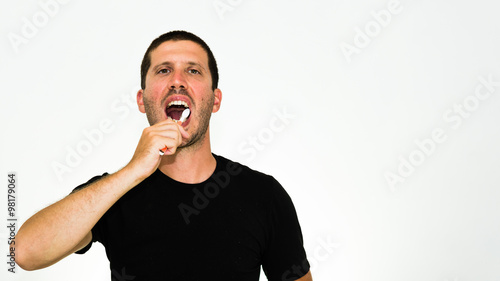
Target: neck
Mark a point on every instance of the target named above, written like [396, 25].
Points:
[190, 164]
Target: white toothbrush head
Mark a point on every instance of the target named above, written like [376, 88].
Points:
[185, 115]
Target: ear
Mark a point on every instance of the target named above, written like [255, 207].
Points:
[140, 102]
[217, 100]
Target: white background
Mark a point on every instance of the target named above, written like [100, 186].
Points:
[352, 120]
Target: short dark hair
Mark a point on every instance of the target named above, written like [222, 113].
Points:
[178, 35]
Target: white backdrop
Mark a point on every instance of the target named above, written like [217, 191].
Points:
[380, 119]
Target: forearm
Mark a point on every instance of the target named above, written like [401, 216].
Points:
[55, 231]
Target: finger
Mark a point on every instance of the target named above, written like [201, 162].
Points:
[183, 132]
[167, 136]
[167, 150]
[163, 125]
[163, 150]
[169, 141]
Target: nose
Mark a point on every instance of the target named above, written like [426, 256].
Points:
[178, 80]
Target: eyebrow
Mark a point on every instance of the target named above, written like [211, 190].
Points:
[168, 63]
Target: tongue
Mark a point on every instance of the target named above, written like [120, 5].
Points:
[175, 112]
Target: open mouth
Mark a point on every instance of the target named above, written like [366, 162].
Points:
[175, 109]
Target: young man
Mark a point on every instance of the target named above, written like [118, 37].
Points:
[182, 213]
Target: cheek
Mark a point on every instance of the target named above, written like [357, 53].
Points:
[156, 90]
[152, 95]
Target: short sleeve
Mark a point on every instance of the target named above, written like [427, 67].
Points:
[284, 257]
[95, 232]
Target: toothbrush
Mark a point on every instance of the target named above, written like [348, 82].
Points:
[183, 118]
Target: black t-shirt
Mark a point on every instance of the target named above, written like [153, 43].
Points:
[224, 228]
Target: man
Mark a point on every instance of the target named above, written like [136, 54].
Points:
[182, 213]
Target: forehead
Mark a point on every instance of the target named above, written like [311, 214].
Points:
[179, 51]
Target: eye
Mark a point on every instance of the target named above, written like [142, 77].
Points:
[193, 71]
[163, 70]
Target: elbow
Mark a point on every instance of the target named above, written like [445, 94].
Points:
[21, 256]
[22, 261]
[25, 266]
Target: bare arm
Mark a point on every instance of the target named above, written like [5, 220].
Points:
[52, 234]
[65, 226]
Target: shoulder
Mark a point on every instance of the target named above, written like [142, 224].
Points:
[242, 175]
[240, 171]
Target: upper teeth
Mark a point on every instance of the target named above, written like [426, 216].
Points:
[178, 102]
